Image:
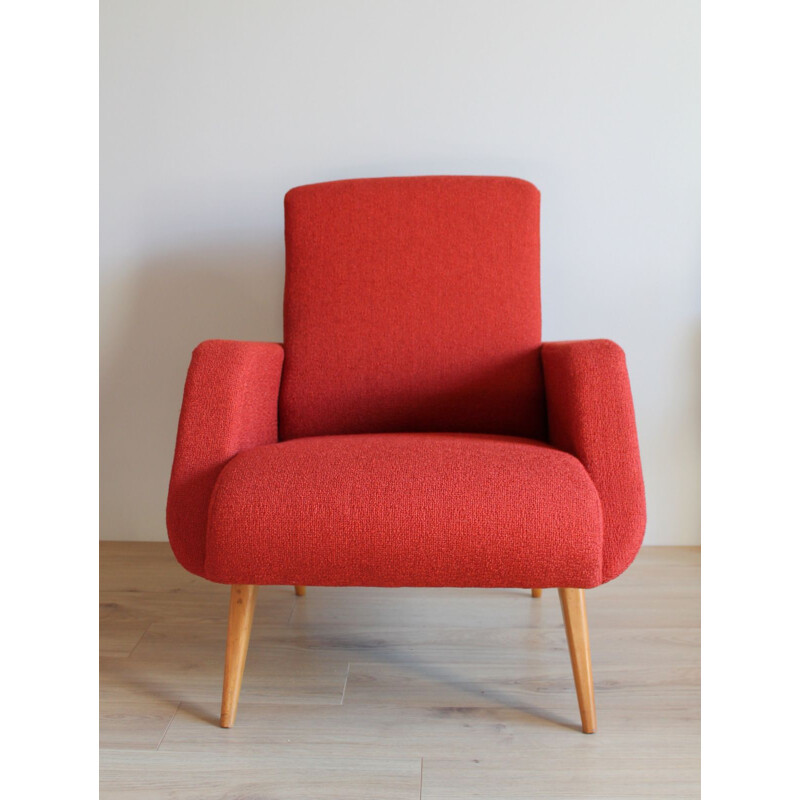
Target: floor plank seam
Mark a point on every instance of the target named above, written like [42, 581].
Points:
[344, 688]
[421, 767]
[139, 640]
[174, 714]
[291, 613]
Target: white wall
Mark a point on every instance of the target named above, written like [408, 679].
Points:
[211, 110]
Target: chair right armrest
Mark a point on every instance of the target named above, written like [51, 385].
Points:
[590, 415]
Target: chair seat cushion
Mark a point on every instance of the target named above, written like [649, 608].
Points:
[416, 509]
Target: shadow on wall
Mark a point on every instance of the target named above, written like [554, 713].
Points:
[151, 319]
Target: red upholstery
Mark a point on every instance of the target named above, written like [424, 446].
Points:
[420, 509]
[590, 414]
[412, 305]
[230, 404]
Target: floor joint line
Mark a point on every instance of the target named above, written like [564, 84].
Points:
[344, 688]
[139, 640]
[158, 746]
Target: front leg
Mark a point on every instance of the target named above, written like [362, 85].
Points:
[240, 623]
[573, 608]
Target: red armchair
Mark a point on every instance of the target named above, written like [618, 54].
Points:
[413, 430]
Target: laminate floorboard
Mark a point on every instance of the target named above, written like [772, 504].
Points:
[397, 693]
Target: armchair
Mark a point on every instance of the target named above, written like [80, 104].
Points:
[412, 430]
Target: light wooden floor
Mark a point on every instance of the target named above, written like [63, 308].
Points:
[397, 693]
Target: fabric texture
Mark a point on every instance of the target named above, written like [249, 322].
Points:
[397, 444]
[230, 404]
[420, 509]
[412, 304]
[590, 414]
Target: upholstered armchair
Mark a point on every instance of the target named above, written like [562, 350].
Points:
[412, 429]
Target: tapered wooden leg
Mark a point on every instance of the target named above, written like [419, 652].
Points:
[573, 607]
[536, 592]
[299, 590]
[240, 622]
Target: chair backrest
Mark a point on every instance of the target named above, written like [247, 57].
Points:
[412, 304]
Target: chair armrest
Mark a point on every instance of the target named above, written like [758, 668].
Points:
[230, 403]
[590, 415]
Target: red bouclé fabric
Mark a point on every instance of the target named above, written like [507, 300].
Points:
[412, 304]
[230, 404]
[590, 413]
[417, 432]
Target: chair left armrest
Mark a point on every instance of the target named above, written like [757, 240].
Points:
[230, 404]
[590, 415]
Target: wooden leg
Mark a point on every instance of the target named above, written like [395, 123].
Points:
[536, 592]
[299, 590]
[240, 622]
[573, 607]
